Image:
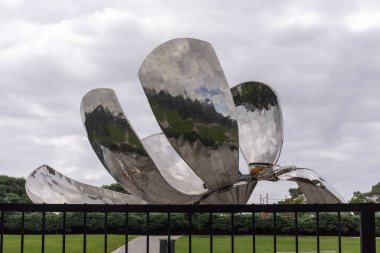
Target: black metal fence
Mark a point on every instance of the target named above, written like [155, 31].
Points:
[366, 211]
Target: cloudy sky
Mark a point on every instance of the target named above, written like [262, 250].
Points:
[322, 57]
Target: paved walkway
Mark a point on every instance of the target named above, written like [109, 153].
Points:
[138, 245]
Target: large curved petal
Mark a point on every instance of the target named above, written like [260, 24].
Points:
[314, 187]
[171, 166]
[121, 151]
[260, 123]
[179, 174]
[46, 185]
[190, 98]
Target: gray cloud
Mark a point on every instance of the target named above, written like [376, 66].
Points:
[320, 56]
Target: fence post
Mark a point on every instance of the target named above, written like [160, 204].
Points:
[367, 229]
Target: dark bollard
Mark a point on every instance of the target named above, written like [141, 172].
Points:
[164, 246]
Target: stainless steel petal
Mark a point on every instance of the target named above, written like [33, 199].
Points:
[121, 151]
[314, 187]
[171, 166]
[180, 175]
[190, 98]
[260, 123]
[46, 185]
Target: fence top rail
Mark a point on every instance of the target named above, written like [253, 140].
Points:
[191, 208]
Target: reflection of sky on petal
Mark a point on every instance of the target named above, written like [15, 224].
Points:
[203, 92]
[220, 107]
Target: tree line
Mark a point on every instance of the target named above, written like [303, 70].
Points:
[221, 223]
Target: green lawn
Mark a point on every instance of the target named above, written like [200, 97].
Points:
[264, 244]
[53, 243]
[200, 244]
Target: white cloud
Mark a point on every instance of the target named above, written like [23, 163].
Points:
[363, 20]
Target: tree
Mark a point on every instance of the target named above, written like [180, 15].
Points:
[367, 197]
[296, 197]
[358, 197]
[12, 190]
[374, 194]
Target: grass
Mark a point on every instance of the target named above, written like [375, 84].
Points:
[200, 244]
[264, 244]
[53, 243]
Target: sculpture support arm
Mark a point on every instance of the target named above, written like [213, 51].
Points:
[315, 188]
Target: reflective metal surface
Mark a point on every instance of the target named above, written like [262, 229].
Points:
[196, 160]
[171, 166]
[314, 187]
[259, 118]
[236, 194]
[121, 151]
[190, 98]
[180, 175]
[45, 185]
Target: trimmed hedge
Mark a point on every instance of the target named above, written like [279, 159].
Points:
[350, 224]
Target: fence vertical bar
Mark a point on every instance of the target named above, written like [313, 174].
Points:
[190, 230]
[296, 229]
[367, 229]
[43, 231]
[22, 230]
[64, 231]
[126, 230]
[2, 232]
[339, 234]
[169, 242]
[274, 232]
[84, 231]
[105, 231]
[232, 233]
[147, 232]
[317, 232]
[211, 235]
[253, 232]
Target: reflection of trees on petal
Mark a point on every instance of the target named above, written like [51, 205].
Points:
[257, 95]
[194, 120]
[111, 131]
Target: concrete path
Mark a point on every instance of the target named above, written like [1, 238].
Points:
[138, 245]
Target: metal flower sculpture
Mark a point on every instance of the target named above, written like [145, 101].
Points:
[196, 158]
